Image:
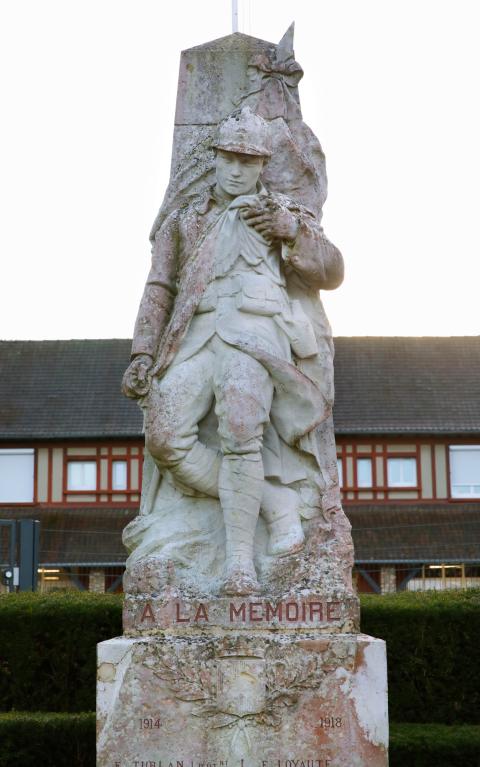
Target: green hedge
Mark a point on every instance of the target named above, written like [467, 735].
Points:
[48, 648]
[433, 642]
[49, 740]
[68, 740]
[434, 745]
[47, 651]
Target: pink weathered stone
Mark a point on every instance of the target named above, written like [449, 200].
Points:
[253, 699]
[152, 615]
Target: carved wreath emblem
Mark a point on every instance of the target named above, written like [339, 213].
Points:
[237, 690]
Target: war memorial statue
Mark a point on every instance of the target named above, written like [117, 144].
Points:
[241, 643]
[217, 328]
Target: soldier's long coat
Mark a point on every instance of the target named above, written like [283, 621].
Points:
[182, 267]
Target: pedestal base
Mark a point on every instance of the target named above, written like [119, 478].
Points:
[275, 699]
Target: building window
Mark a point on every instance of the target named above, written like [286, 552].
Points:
[364, 472]
[17, 468]
[379, 470]
[102, 474]
[82, 475]
[119, 475]
[465, 471]
[402, 472]
[340, 472]
[441, 577]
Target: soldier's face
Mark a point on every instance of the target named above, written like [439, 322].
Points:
[237, 173]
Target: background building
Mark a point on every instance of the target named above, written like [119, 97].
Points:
[407, 421]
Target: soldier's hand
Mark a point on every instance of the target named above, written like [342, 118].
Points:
[272, 220]
[136, 380]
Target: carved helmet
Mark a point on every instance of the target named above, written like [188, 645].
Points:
[244, 132]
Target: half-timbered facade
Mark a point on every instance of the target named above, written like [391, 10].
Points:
[407, 421]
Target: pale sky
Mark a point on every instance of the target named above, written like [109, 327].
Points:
[88, 93]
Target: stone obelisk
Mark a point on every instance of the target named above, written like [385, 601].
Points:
[241, 643]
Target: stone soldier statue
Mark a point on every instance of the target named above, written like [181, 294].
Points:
[240, 617]
[230, 321]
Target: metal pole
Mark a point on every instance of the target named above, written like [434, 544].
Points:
[234, 15]
[29, 545]
[13, 544]
[10, 572]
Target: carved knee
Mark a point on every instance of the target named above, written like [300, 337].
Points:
[241, 431]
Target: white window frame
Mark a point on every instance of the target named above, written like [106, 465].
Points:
[471, 492]
[81, 489]
[115, 488]
[401, 483]
[359, 484]
[29, 479]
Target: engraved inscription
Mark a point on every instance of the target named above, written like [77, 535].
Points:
[299, 762]
[149, 723]
[328, 722]
[251, 612]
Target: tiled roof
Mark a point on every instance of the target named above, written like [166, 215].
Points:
[434, 533]
[71, 389]
[407, 385]
[423, 533]
[65, 390]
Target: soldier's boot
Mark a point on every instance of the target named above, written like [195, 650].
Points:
[280, 510]
[199, 470]
[240, 490]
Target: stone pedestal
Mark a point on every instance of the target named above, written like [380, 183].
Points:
[277, 698]
[282, 678]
